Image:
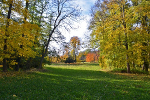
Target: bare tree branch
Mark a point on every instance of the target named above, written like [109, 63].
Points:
[60, 10]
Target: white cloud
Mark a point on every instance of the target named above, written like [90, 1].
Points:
[82, 25]
[86, 5]
[81, 30]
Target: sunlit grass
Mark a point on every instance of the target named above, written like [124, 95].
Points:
[71, 82]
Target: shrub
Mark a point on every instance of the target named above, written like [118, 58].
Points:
[69, 60]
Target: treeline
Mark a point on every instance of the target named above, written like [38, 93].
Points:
[28, 26]
[89, 55]
[121, 30]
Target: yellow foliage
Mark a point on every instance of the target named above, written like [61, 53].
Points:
[19, 36]
[119, 35]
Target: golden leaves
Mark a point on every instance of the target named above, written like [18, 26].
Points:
[121, 26]
[75, 42]
[17, 35]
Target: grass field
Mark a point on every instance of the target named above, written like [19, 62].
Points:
[73, 82]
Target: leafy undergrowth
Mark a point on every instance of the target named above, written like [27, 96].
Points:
[69, 82]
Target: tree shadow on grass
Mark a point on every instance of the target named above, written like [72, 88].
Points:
[71, 84]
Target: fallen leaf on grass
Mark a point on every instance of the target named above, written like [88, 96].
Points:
[14, 95]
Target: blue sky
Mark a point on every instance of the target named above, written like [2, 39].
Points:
[83, 24]
[86, 5]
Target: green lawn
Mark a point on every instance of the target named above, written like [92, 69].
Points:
[71, 82]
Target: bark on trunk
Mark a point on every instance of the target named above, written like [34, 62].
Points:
[5, 40]
[127, 57]
[18, 65]
[40, 67]
[45, 50]
[128, 65]
[4, 65]
[126, 38]
[145, 65]
[145, 44]
[21, 46]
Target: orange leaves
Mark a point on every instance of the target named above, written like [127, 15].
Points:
[92, 57]
[75, 42]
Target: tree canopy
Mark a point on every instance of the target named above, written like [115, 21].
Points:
[28, 26]
[75, 44]
[121, 28]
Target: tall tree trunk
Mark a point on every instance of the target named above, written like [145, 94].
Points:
[44, 51]
[75, 58]
[145, 54]
[74, 54]
[146, 65]
[41, 62]
[45, 48]
[145, 44]
[21, 46]
[127, 56]
[5, 40]
[126, 38]
[17, 65]
[128, 65]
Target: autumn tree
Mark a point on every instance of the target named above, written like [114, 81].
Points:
[27, 27]
[122, 31]
[142, 18]
[92, 57]
[75, 44]
[15, 32]
[6, 35]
